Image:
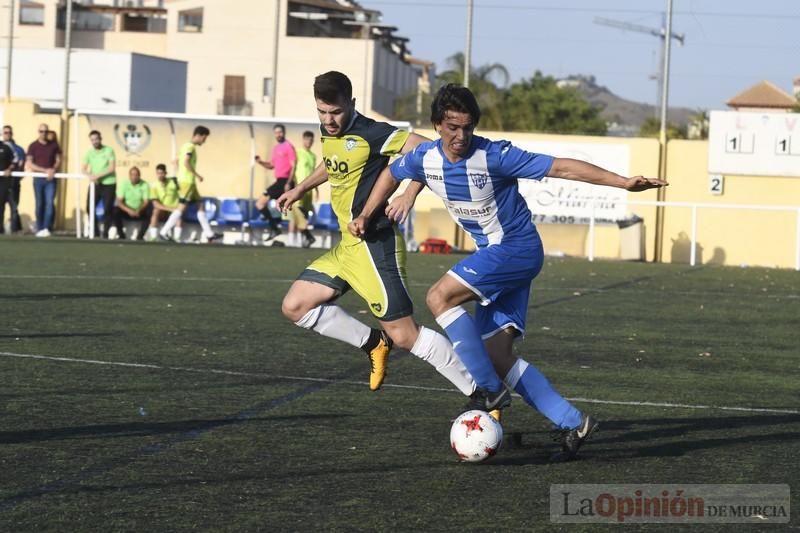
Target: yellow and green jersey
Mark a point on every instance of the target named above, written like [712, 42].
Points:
[184, 174]
[306, 163]
[166, 193]
[353, 161]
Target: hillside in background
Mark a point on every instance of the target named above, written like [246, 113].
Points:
[625, 117]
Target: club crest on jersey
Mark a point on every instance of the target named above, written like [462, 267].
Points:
[479, 179]
[349, 144]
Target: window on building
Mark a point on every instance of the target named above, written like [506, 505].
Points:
[191, 20]
[31, 13]
[144, 24]
[267, 93]
[84, 20]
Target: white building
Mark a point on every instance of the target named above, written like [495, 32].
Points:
[121, 81]
[248, 57]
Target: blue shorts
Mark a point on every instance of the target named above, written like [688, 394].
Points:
[500, 276]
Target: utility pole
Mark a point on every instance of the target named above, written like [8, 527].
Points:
[459, 238]
[468, 46]
[67, 53]
[656, 32]
[10, 50]
[275, 45]
[61, 192]
[662, 135]
[666, 35]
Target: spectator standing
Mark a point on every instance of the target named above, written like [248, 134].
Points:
[282, 163]
[100, 166]
[6, 181]
[44, 156]
[17, 166]
[133, 203]
[164, 199]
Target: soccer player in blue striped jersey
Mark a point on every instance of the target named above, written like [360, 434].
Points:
[477, 180]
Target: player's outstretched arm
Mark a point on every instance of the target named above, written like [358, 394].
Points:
[576, 170]
[381, 191]
[317, 178]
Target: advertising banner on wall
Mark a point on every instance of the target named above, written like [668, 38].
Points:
[559, 201]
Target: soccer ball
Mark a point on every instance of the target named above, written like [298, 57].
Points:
[475, 435]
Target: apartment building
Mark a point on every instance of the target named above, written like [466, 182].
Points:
[244, 57]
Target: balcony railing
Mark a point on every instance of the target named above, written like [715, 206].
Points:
[244, 109]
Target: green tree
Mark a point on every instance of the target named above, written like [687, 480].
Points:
[539, 104]
[698, 125]
[487, 82]
[651, 127]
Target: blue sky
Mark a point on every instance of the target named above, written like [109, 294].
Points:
[730, 44]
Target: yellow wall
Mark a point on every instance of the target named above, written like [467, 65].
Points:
[728, 236]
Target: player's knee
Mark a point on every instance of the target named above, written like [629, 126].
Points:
[293, 308]
[436, 300]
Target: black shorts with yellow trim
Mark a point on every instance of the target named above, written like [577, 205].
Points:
[374, 267]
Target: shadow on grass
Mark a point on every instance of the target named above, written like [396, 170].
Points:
[690, 434]
[95, 295]
[656, 437]
[52, 335]
[141, 429]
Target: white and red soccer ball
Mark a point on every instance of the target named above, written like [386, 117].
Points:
[475, 435]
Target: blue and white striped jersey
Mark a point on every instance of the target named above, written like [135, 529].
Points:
[480, 191]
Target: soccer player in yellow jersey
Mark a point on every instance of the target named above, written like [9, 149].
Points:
[355, 149]
[165, 199]
[187, 187]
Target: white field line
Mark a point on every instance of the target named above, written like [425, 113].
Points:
[582, 290]
[668, 405]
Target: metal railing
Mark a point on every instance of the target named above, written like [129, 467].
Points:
[63, 176]
[693, 232]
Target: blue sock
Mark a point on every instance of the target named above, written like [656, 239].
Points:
[537, 392]
[468, 345]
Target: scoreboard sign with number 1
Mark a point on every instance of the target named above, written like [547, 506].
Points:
[754, 144]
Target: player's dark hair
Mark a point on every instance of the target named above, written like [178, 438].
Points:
[280, 127]
[453, 97]
[161, 166]
[95, 132]
[333, 87]
[201, 130]
[136, 169]
[308, 133]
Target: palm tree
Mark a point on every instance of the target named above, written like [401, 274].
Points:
[483, 73]
[482, 79]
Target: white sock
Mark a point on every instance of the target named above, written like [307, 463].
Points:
[203, 220]
[173, 219]
[334, 322]
[435, 349]
[152, 232]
